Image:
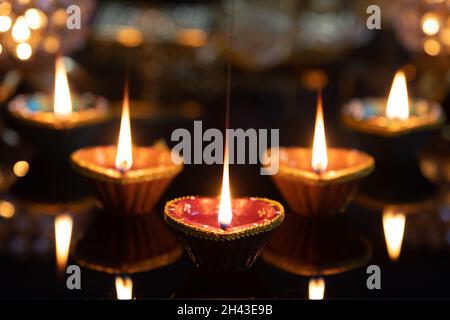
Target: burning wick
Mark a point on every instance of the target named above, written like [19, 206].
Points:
[225, 211]
[62, 101]
[316, 289]
[124, 155]
[319, 160]
[124, 288]
[398, 103]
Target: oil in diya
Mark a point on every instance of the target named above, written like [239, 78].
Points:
[128, 179]
[222, 233]
[320, 181]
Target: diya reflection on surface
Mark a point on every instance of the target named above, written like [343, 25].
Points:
[128, 179]
[321, 180]
[221, 233]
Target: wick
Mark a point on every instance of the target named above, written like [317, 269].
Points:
[122, 167]
[223, 226]
[319, 171]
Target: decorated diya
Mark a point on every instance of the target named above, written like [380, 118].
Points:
[221, 233]
[317, 246]
[321, 181]
[127, 244]
[128, 179]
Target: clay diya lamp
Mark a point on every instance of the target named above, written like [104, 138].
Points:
[62, 123]
[221, 233]
[128, 179]
[320, 181]
[121, 244]
[393, 130]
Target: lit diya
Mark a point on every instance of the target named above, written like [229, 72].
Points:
[128, 179]
[224, 233]
[393, 129]
[321, 181]
[65, 111]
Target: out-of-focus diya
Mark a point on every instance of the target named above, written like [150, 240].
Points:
[128, 179]
[224, 233]
[393, 129]
[63, 111]
[127, 244]
[60, 124]
[321, 181]
[317, 246]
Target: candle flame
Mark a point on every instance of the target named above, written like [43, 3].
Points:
[225, 212]
[319, 160]
[124, 156]
[394, 228]
[63, 235]
[316, 288]
[62, 103]
[124, 288]
[398, 103]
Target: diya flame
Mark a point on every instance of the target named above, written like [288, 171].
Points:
[319, 162]
[124, 155]
[62, 101]
[225, 211]
[398, 102]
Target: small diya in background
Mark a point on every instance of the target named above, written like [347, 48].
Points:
[58, 123]
[321, 181]
[55, 128]
[317, 247]
[128, 179]
[393, 130]
[223, 233]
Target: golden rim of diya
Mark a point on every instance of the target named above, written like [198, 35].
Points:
[156, 262]
[113, 175]
[50, 120]
[224, 235]
[382, 126]
[332, 176]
